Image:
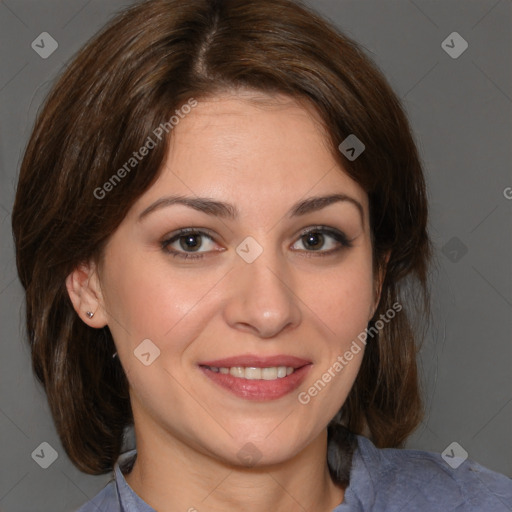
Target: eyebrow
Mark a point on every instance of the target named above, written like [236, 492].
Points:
[229, 211]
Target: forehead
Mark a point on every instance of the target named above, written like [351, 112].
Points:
[250, 147]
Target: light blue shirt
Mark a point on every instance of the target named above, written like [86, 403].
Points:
[381, 480]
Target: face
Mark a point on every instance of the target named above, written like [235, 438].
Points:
[233, 272]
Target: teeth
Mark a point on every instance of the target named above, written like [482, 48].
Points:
[237, 371]
[281, 372]
[252, 373]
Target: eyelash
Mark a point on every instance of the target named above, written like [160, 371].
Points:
[338, 236]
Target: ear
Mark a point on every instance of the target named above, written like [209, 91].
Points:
[378, 281]
[83, 286]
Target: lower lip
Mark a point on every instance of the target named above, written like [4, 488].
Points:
[259, 389]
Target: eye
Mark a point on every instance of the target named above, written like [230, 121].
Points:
[192, 243]
[188, 241]
[322, 240]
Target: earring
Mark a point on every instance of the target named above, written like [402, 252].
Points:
[89, 314]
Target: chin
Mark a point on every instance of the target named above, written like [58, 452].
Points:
[262, 449]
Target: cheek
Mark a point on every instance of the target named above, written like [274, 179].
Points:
[146, 299]
[342, 299]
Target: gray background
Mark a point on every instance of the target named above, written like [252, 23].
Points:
[460, 110]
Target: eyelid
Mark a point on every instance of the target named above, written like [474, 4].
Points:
[186, 231]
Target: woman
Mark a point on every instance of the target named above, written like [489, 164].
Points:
[216, 216]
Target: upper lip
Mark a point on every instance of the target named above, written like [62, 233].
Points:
[249, 360]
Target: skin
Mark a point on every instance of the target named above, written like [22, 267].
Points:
[262, 155]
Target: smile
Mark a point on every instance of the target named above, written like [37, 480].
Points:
[260, 378]
[253, 373]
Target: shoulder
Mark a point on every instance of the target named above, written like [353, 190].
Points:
[392, 479]
[117, 495]
[106, 499]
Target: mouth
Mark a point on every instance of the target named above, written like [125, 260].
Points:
[257, 378]
[254, 373]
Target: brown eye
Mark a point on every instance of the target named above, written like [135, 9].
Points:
[188, 241]
[323, 241]
[192, 242]
[314, 240]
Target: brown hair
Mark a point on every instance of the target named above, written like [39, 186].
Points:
[125, 82]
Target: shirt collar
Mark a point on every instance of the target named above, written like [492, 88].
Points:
[128, 499]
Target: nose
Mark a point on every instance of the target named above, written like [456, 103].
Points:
[261, 298]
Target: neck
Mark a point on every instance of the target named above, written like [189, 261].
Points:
[173, 476]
